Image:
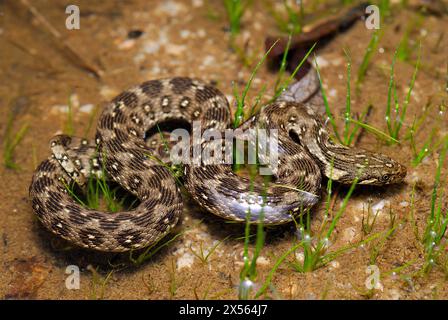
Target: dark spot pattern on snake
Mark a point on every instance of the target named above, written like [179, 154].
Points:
[119, 144]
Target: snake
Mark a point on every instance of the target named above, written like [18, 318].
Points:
[124, 150]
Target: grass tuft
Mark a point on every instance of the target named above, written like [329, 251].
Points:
[11, 141]
[150, 251]
[235, 10]
[69, 127]
[98, 283]
[241, 98]
[314, 252]
[366, 58]
[437, 220]
[97, 192]
[431, 143]
[293, 22]
[396, 119]
[284, 83]
[315, 248]
[204, 255]
[368, 219]
[349, 133]
[248, 274]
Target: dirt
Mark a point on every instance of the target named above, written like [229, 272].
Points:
[191, 38]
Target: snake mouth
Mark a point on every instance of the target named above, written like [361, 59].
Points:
[372, 182]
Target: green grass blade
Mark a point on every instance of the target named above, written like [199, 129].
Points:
[327, 107]
[389, 95]
[293, 74]
[348, 102]
[382, 135]
[239, 113]
[408, 96]
[367, 57]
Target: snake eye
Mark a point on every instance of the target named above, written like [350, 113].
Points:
[385, 178]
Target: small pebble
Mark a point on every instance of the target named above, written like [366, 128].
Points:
[262, 261]
[74, 100]
[171, 8]
[336, 61]
[379, 206]
[197, 3]
[139, 58]
[86, 108]
[126, 44]
[394, 294]
[291, 290]
[185, 261]
[175, 49]
[310, 296]
[335, 264]
[107, 92]
[184, 34]
[404, 204]
[300, 256]
[151, 47]
[59, 108]
[322, 62]
[349, 234]
[209, 60]
[156, 70]
[201, 33]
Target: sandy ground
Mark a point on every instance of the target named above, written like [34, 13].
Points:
[190, 38]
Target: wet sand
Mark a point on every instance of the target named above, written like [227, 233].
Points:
[190, 38]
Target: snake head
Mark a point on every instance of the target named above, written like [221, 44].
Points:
[381, 170]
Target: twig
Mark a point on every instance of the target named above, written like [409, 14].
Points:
[70, 52]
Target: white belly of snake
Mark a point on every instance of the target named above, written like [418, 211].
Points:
[305, 153]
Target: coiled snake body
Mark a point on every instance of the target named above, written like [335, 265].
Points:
[305, 152]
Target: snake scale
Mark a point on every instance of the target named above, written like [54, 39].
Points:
[305, 153]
